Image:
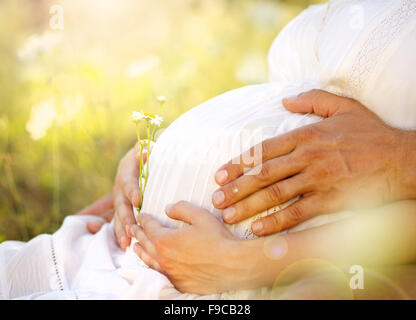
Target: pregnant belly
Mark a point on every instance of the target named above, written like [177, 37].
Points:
[187, 154]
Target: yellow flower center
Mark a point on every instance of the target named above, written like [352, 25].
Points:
[149, 115]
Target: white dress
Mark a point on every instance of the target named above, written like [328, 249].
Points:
[363, 49]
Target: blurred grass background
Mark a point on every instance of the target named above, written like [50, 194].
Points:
[66, 95]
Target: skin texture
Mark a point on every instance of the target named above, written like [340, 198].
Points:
[350, 160]
[378, 237]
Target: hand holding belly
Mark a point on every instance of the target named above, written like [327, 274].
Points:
[350, 160]
[203, 257]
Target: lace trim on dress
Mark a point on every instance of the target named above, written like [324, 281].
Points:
[382, 35]
[55, 265]
[59, 283]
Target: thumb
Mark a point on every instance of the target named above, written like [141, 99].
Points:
[186, 212]
[319, 102]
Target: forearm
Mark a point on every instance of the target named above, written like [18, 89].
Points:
[383, 236]
[406, 167]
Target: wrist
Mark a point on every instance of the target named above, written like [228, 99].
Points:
[407, 165]
[252, 267]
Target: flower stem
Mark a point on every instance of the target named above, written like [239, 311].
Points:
[141, 166]
[140, 177]
[148, 153]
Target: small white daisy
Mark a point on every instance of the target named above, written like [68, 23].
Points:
[161, 99]
[157, 120]
[137, 116]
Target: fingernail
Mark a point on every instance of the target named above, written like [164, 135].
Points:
[218, 197]
[228, 214]
[221, 176]
[257, 227]
[169, 207]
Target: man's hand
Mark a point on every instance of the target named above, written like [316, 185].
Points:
[350, 160]
[202, 257]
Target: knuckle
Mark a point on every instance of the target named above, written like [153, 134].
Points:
[296, 213]
[274, 222]
[311, 133]
[180, 205]
[275, 193]
[314, 93]
[160, 245]
[123, 212]
[129, 192]
[323, 172]
[264, 174]
[266, 149]
[242, 209]
[164, 264]
[348, 102]
[233, 170]
[118, 231]
[307, 154]
[228, 166]
[144, 258]
[318, 174]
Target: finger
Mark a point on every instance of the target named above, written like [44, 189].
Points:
[124, 210]
[127, 179]
[122, 238]
[144, 152]
[297, 212]
[269, 172]
[99, 207]
[319, 102]
[266, 150]
[138, 233]
[108, 215]
[144, 156]
[94, 226]
[151, 227]
[186, 212]
[267, 198]
[148, 260]
[130, 187]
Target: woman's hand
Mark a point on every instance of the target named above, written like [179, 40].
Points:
[126, 192]
[350, 160]
[103, 208]
[202, 257]
[205, 258]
